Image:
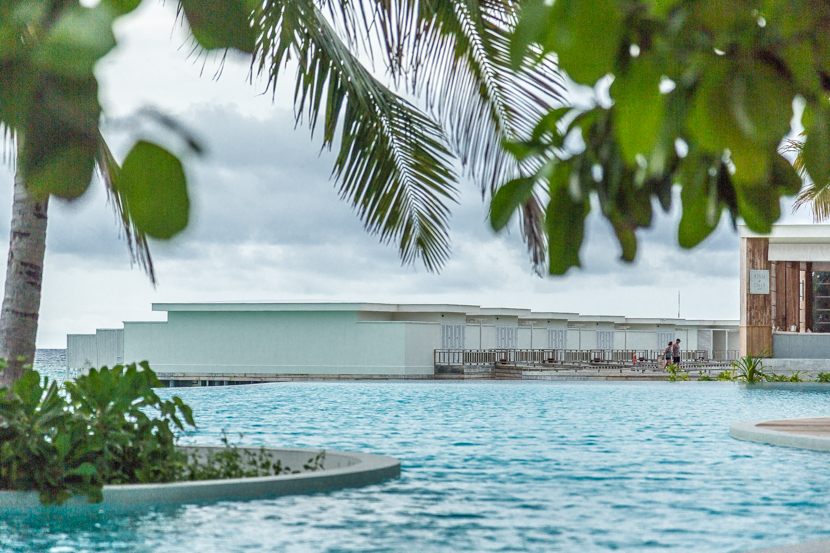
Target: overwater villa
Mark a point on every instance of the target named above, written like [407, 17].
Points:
[232, 342]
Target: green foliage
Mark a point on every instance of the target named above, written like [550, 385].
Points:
[97, 432]
[705, 378]
[675, 373]
[726, 375]
[154, 188]
[230, 462]
[702, 97]
[796, 377]
[49, 101]
[749, 369]
[222, 23]
[823, 377]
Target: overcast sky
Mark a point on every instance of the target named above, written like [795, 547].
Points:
[268, 225]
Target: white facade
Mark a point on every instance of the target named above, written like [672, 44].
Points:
[364, 339]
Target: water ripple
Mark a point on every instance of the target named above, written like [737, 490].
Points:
[491, 466]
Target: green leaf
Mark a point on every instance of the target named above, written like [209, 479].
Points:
[816, 151]
[153, 183]
[662, 7]
[712, 124]
[84, 469]
[508, 198]
[66, 174]
[783, 176]
[221, 24]
[122, 7]
[550, 123]
[761, 103]
[701, 209]
[627, 238]
[639, 109]
[565, 222]
[759, 205]
[28, 388]
[77, 41]
[799, 59]
[17, 85]
[530, 29]
[585, 34]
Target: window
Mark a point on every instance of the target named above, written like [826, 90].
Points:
[605, 339]
[452, 336]
[663, 339]
[821, 301]
[506, 337]
[557, 338]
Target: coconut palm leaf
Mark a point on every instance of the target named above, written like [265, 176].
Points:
[393, 165]
[455, 54]
[8, 145]
[107, 169]
[136, 240]
[817, 196]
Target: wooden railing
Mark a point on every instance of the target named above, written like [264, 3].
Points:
[460, 357]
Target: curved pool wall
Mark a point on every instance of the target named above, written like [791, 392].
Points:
[751, 432]
[341, 469]
[492, 466]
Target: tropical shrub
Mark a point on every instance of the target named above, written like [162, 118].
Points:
[94, 431]
[705, 378]
[795, 377]
[750, 370]
[107, 427]
[231, 462]
[823, 377]
[675, 373]
[725, 375]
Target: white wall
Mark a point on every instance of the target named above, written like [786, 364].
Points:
[420, 346]
[275, 342]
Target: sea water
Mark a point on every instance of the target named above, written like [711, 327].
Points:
[489, 466]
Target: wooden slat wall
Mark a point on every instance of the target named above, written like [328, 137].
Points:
[758, 306]
[808, 295]
[780, 297]
[791, 282]
[756, 327]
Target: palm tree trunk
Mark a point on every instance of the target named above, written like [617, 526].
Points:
[24, 274]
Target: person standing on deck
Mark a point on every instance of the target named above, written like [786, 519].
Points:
[675, 352]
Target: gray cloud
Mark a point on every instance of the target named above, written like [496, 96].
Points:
[268, 224]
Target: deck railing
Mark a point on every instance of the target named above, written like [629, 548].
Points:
[460, 357]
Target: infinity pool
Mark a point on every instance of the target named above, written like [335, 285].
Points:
[493, 466]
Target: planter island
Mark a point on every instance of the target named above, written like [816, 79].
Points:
[337, 470]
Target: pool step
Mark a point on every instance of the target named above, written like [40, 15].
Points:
[507, 372]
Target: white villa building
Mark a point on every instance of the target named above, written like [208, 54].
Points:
[236, 341]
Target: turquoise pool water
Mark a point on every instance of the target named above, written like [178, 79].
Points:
[492, 466]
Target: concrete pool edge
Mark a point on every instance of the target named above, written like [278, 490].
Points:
[820, 546]
[751, 432]
[798, 436]
[349, 469]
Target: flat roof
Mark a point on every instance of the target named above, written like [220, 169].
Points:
[472, 310]
[803, 233]
[468, 310]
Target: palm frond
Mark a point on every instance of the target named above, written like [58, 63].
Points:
[455, 54]
[136, 240]
[394, 165]
[817, 196]
[8, 143]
